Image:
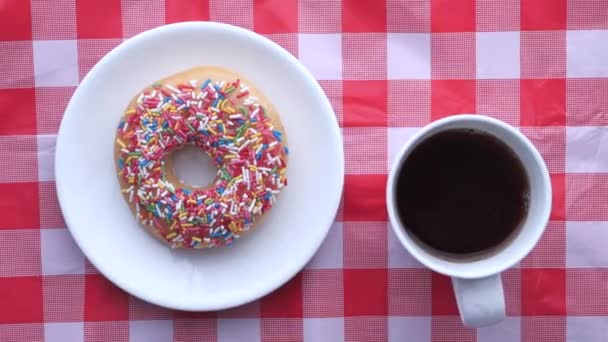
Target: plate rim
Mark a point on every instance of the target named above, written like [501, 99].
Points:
[282, 278]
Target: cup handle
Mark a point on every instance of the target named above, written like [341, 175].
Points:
[481, 302]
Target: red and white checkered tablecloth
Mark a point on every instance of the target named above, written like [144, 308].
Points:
[388, 67]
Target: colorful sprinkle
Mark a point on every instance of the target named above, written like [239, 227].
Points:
[221, 118]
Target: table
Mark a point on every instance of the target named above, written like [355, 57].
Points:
[388, 67]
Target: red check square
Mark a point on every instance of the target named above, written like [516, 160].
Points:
[103, 301]
[543, 14]
[89, 25]
[364, 16]
[186, 10]
[409, 292]
[323, 293]
[21, 118]
[365, 198]
[449, 97]
[21, 201]
[15, 20]
[444, 302]
[543, 292]
[21, 299]
[286, 302]
[365, 103]
[275, 16]
[365, 292]
[543, 102]
[453, 16]
[558, 183]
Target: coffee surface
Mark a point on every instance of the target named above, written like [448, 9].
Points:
[462, 191]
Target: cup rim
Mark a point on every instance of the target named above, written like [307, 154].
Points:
[425, 257]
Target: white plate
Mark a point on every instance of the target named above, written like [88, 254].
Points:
[106, 230]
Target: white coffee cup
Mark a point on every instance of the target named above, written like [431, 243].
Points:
[476, 281]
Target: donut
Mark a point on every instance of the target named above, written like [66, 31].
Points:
[218, 111]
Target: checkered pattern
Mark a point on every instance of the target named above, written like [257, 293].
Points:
[388, 67]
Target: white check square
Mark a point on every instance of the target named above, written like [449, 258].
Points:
[587, 329]
[55, 63]
[324, 329]
[587, 53]
[322, 55]
[587, 149]
[150, 331]
[508, 330]
[59, 253]
[409, 56]
[409, 328]
[331, 254]
[46, 157]
[238, 330]
[397, 138]
[498, 55]
[64, 332]
[586, 243]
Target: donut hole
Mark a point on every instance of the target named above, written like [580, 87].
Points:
[193, 167]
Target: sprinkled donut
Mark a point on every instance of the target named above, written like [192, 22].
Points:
[215, 110]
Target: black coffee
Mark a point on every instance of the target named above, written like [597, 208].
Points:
[462, 191]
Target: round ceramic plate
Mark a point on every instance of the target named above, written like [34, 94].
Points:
[104, 227]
